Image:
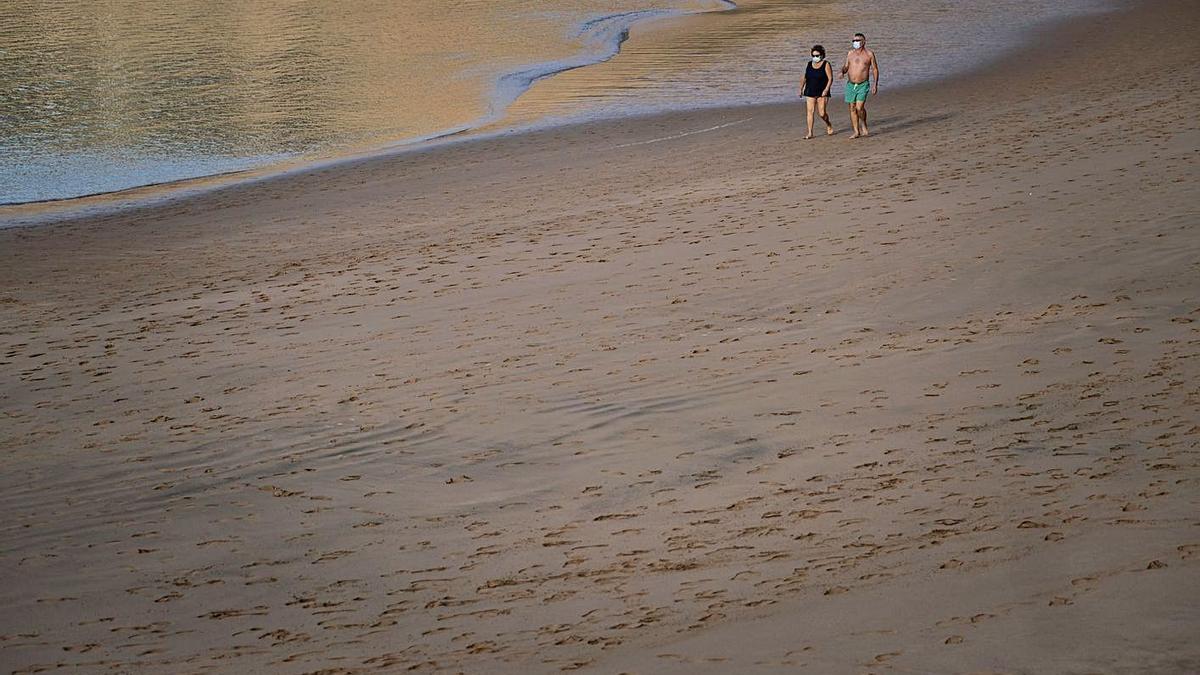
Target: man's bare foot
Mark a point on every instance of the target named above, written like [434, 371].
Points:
[855, 135]
[865, 132]
[808, 137]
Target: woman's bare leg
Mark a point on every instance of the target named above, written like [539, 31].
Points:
[823, 110]
[811, 104]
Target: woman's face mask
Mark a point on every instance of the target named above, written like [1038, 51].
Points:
[816, 58]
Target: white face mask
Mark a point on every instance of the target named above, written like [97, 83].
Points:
[816, 59]
[857, 44]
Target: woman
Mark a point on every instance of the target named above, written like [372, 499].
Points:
[818, 78]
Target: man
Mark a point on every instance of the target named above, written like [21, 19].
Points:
[857, 71]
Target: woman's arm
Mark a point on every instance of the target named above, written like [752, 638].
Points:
[803, 81]
[828, 80]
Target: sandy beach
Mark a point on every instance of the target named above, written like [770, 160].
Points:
[675, 394]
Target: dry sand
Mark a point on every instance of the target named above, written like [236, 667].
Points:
[725, 402]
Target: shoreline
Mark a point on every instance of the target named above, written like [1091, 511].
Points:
[685, 395]
[507, 88]
[56, 211]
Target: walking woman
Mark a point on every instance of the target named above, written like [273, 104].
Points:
[818, 78]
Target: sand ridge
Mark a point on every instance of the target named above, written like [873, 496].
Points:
[730, 402]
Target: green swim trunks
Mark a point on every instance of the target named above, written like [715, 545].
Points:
[857, 92]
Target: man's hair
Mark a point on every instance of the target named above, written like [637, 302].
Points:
[860, 35]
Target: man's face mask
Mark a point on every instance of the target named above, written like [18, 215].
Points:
[857, 44]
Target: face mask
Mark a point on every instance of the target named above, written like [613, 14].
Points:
[816, 59]
[857, 44]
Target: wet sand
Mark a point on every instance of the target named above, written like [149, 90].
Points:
[675, 394]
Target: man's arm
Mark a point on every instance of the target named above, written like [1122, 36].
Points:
[875, 70]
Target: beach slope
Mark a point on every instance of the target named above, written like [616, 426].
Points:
[675, 394]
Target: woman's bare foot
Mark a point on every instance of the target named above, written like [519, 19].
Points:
[808, 137]
[829, 130]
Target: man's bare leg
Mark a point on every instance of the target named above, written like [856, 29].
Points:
[862, 117]
[808, 101]
[854, 120]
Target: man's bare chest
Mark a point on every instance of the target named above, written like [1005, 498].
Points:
[859, 60]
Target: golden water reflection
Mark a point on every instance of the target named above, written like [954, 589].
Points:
[99, 87]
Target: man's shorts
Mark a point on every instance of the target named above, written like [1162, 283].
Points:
[857, 92]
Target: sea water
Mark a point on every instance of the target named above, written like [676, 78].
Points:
[99, 97]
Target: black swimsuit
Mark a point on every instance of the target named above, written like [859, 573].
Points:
[815, 80]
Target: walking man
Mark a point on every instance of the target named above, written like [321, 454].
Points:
[860, 63]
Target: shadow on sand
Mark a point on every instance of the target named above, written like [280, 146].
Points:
[901, 123]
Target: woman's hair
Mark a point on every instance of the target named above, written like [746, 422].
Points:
[819, 49]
